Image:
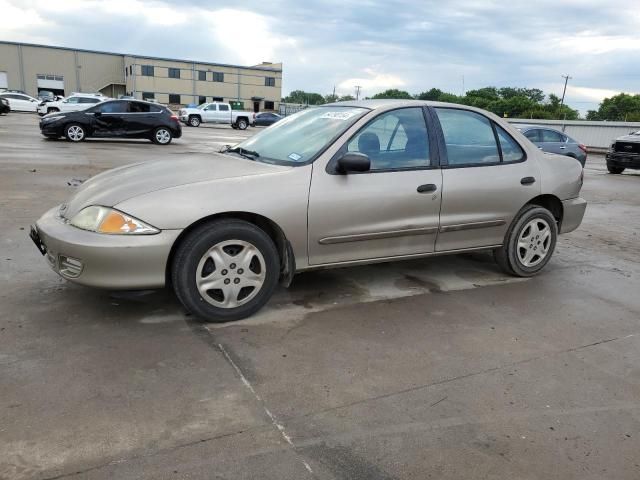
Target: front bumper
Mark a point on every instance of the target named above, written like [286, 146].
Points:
[623, 160]
[120, 262]
[573, 214]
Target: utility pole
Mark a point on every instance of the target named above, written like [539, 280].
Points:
[463, 92]
[566, 80]
[358, 87]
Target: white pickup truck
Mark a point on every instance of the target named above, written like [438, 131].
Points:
[215, 112]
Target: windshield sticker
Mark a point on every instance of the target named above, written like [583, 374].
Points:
[338, 115]
[295, 157]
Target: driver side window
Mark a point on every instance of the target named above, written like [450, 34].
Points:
[73, 100]
[394, 140]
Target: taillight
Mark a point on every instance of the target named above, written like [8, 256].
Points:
[175, 117]
[583, 148]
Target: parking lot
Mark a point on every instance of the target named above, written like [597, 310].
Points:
[440, 368]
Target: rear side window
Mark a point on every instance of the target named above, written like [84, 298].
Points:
[89, 100]
[533, 135]
[112, 107]
[552, 136]
[223, 108]
[469, 137]
[138, 107]
[511, 150]
[394, 140]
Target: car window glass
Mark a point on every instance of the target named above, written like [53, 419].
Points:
[468, 136]
[73, 100]
[511, 151]
[138, 107]
[223, 108]
[395, 139]
[112, 107]
[532, 135]
[551, 136]
[211, 107]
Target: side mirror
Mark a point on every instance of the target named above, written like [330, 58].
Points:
[353, 162]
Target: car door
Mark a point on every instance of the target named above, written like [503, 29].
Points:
[486, 177]
[109, 119]
[209, 113]
[224, 114]
[21, 103]
[141, 119]
[553, 142]
[391, 210]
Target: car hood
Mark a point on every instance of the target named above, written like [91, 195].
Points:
[629, 138]
[115, 186]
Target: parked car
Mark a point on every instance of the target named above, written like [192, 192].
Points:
[19, 102]
[553, 141]
[340, 184]
[264, 119]
[114, 118]
[4, 106]
[73, 103]
[215, 112]
[624, 153]
[6, 90]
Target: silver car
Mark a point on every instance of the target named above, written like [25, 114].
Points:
[341, 184]
[554, 141]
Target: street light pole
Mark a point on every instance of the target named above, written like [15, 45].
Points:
[566, 80]
[358, 87]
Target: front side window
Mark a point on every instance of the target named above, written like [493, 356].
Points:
[394, 140]
[174, 73]
[147, 70]
[269, 81]
[533, 135]
[469, 137]
[212, 107]
[552, 136]
[299, 138]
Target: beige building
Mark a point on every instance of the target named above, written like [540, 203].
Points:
[33, 68]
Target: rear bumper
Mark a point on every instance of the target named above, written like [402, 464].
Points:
[623, 160]
[120, 262]
[573, 214]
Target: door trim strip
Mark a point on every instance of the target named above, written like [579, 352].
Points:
[472, 226]
[357, 237]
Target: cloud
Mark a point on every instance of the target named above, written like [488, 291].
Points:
[371, 83]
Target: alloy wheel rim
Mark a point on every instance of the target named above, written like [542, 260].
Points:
[534, 242]
[230, 274]
[162, 136]
[75, 133]
[195, 122]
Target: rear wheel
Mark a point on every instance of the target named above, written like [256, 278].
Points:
[74, 132]
[194, 121]
[225, 270]
[529, 242]
[615, 170]
[162, 136]
[242, 124]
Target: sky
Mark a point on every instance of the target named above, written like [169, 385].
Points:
[412, 45]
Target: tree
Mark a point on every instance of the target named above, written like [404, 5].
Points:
[393, 93]
[346, 98]
[331, 98]
[307, 98]
[622, 107]
[434, 95]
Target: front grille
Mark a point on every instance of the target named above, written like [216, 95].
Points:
[627, 147]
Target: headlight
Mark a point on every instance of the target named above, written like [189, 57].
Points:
[110, 221]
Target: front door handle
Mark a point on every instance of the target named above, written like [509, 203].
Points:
[528, 181]
[563, 148]
[427, 188]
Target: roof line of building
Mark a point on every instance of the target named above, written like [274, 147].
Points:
[257, 67]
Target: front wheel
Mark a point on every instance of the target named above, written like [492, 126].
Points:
[225, 270]
[194, 121]
[615, 170]
[529, 242]
[74, 132]
[162, 136]
[242, 124]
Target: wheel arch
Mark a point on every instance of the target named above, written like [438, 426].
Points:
[271, 228]
[551, 203]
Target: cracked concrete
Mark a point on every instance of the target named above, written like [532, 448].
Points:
[439, 368]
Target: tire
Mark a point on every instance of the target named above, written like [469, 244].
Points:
[75, 132]
[162, 136]
[194, 121]
[242, 124]
[615, 170]
[225, 240]
[234, 126]
[522, 240]
[52, 110]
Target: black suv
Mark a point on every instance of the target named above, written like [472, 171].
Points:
[115, 118]
[624, 153]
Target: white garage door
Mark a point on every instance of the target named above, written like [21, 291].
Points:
[3, 80]
[50, 82]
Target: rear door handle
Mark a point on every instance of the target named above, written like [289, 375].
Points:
[528, 181]
[427, 188]
[563, 148]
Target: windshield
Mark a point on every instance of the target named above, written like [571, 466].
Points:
[201, 106]
[299, 138]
